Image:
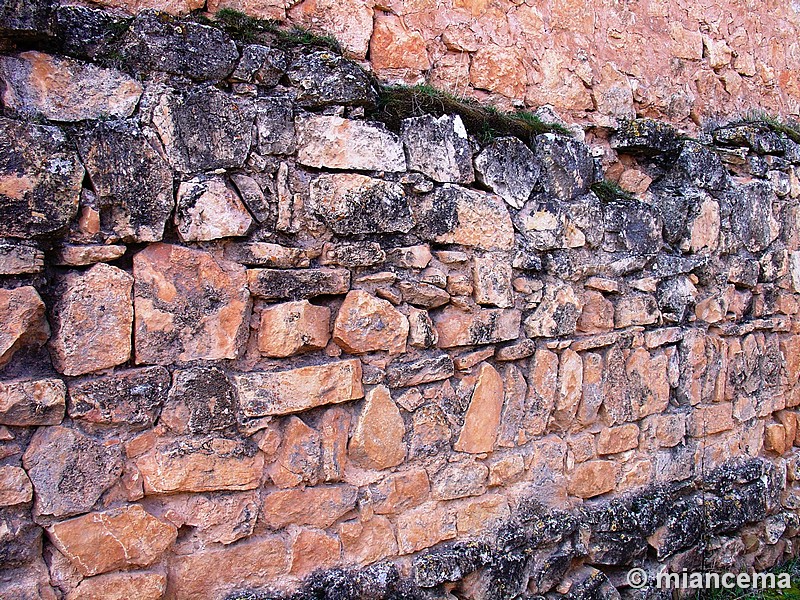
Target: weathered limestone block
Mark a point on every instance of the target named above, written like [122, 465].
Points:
[285, 392]
[208, 209]
[18, 257]
[456, 215]
[271, 284]
[400, 491]
[40, 179]
[189, 305]
[367, 324]
[377, 441]
[200, 401]
[213, 572]
[751, 218]
[458, 327]
[592, 478]
[173, 7]
[22, 321]
[171, 466]
[275, 126]
[499, 70]
[635, 309]
[266, 254]
[64, 89]
[121, 586]
[422, 333]
[80, 255]
[69, 470]
[292, 328]
[109, 540]
[557, 314]
[618, 439]
[132, 180]
[186, 48]
[203, 128]
[299, 457]
[319, 506]
[323, 78]
[413, 370]
[260, 64]
[133, 397]
[423, 294]
[352, 204]
[15, 487]
[491, 275]
[438, 148]
[337, 143]
[92, 320]
[509, 169]
[482, 419]
[26, 403]
[567, 170]
[223, 518]
[351, 255]
[395, 46]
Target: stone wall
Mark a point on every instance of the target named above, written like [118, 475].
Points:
[254, 341]
[684, 61]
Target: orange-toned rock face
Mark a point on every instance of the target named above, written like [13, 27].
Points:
[366, 324]
[105, 541]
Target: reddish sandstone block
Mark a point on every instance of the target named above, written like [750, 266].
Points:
[319, 506]
[424, 526]
[293, 327]
[482, 419]
[618, 439]
[592, 478]
[400, 491]
[368, 324]
[313, 549]
[708, 420]
[366, 542]
[377, 441]
[121, 586]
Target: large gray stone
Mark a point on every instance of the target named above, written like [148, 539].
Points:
[40, 179]
[567, 169]
[203, 128]
[438, 147]
[323, 78]
[509, 169]
[156, 42]
[133, 182]
[262, 65]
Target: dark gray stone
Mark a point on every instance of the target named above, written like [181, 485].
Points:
[69, 470]
[261, 65]
[21, 18]
[203, 128]
[438, 147]
[278, 284]
[203, 398]
[133, 182]
[750, 210]
[415, 370]
[253, 197]
[157, 42]
[323, 78]
[757, 136]
[700, 166]
[567, 168]
[275, 126]
[646, 136]
[633, 226]
[49, 175]
[451, 562]
[86, 32]
[509, 169]
[132, 398]
[20, 537]
[356, 254]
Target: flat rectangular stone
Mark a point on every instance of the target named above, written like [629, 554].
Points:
[284, 392]
[265, 254]
[407, 371]
[17, 258]
[28, 403]
[457, 327]
[272, 284]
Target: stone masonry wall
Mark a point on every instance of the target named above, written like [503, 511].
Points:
[599, 61]
[256, 344]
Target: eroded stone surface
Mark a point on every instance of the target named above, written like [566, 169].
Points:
[200, 401]
[377, 441]
[22, 321]
[338, 143]
[121, 586]
[208, 209]
[285, 392]
[40, 179]
[366, 324]
[509, 169]
[271, 284]
[24, 403]
[319, 506]
[92, 320]
[63, 89]
[132, 397]
[293, 327]
[112, 539]
[189, 305]
[69, 470]
[439, 148]
[482, 419]
[457, 327]
[132, 180]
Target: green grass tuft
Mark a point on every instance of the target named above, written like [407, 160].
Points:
[790, 128]
[398, 102]
[610, 191]
[792, 567]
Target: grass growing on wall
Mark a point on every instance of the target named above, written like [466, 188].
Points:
[789, 128]
[249, 29]
[792, 567]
